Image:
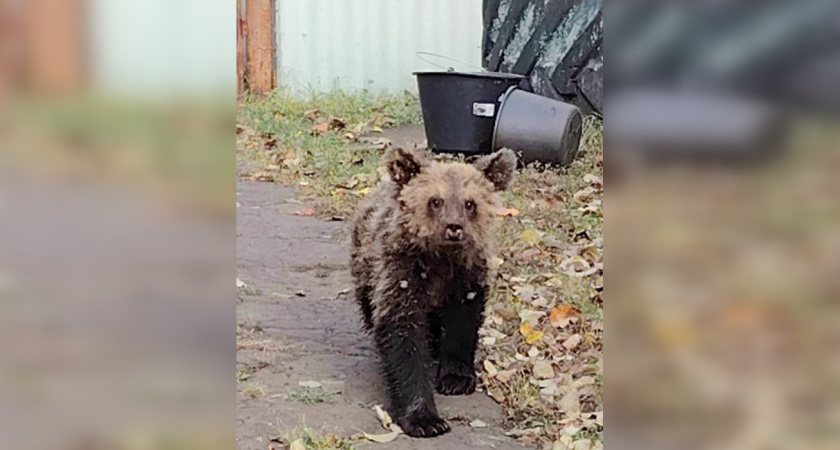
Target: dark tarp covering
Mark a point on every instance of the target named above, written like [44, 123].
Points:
[557, 44]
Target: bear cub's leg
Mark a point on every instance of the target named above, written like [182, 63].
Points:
[460, 320]
[403, 344]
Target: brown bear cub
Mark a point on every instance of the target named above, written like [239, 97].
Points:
[421, 247]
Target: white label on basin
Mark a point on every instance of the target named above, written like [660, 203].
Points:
[484, 109]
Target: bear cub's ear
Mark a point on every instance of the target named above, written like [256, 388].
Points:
[498, 168]
[403, 165]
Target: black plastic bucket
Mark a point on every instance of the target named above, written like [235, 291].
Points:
[459, 108]
[538, 128]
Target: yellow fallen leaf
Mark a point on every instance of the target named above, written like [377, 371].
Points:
[533, 337]
[530, 236]
[526, 328]
[362, 192]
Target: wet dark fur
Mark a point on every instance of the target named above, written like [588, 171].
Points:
[420, 255]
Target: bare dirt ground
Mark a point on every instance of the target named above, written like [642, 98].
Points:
[297, 322]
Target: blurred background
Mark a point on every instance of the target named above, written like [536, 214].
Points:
[723, 224]
[116, 199]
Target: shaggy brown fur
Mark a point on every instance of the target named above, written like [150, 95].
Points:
[421, 246]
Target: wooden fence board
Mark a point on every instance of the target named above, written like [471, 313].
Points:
[260, 46]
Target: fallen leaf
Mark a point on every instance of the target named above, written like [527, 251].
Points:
[300, 293]
[533, 337]
[575, 264]
[384, 417]
[478, 424]
[526, 328]
[582, 444]
[240, 283]
[362, 192]
[562, 316]
[570, 403]
[572, 342]
[530, 253]
[312, 114]
[530, 236]
[377, 129]
[320, 128]
[542, 369]
[307, 211]
[309, 384]
[505, 375]
[530, 316]
[593, 180]
[262, 176]
[507, 212]
[584, 195]
[382, 438]
[490, 368]
[337, 123]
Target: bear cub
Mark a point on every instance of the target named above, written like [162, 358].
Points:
[420, 253]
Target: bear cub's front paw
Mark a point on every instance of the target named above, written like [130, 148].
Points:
[423, 425]
[456, 384]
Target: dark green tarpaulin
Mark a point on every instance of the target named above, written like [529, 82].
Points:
[557, 44]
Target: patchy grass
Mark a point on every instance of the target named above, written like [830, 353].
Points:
[303, 437]
[541, 356]
[542, 340]
[310, 396]
[325, 144]
[252, 390]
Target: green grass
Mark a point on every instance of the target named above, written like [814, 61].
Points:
[310, 396]
[333, 168]
[309, 439]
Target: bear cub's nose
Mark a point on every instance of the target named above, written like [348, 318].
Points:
[454, 232]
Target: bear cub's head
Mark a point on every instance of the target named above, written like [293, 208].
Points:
[449, 205]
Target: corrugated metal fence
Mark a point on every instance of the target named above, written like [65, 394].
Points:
[371, 44]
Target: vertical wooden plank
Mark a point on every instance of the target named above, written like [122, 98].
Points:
[261, 47]
[55, 45]
[240, 52]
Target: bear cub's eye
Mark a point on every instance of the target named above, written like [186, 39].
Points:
[435, 202]
[470, 205]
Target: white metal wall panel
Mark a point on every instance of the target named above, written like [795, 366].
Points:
[371, 44]
[161, 46]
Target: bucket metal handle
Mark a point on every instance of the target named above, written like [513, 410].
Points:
[448, 69]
